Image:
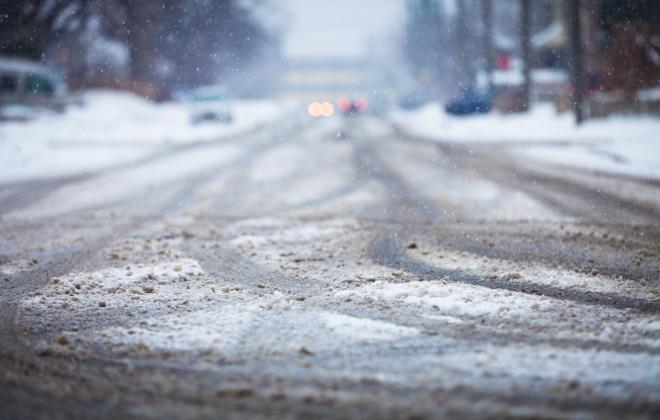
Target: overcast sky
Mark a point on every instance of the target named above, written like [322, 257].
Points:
[338, 28]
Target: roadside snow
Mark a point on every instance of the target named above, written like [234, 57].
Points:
[621, 144]
[111, 128]
[636, 156]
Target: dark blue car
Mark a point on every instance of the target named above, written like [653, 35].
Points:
[469, 102]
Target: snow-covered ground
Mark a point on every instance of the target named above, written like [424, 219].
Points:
[341, 305]
[112, 128]
[366, 262]
[622, 144]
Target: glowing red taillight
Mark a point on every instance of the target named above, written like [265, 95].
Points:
[344, 105]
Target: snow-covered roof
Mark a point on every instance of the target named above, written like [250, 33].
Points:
[552, 36]
[514, 77]
[504, 42]
[24, 66]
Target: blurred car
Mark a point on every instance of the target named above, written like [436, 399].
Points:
[210, 104]
[470, 101]
[352, 106]
[29, 85]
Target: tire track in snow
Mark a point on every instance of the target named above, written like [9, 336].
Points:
[403, 203]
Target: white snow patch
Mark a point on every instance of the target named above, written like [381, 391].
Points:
[362, 329]
[219, 329]
[454, 299]
[138, 288]
[446, 319]
[272, 229]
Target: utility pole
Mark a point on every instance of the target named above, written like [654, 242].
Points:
[489, 53]
[465, 71]
[525, 39]
[577, 60]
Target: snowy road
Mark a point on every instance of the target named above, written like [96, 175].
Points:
[332, 268]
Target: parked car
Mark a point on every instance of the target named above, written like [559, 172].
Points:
[26, 83]
[470, 101]
[210, 104]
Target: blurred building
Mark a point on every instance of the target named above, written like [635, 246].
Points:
[630, 40]
[309, 80]
[622, 55]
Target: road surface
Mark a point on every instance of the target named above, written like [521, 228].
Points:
[330, 268]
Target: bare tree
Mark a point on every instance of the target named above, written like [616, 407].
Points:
[577, 61]
[28, 27]
[462, 36]
[489, 53]
[169, 42]
[525, 39]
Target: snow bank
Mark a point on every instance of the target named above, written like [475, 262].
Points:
[111, 127]
[622, 144]
[115, 117]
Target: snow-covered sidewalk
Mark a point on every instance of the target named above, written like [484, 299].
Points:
[111, 128]
[622, 144]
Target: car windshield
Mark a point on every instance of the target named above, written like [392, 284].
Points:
[332, 209]
[39, 85]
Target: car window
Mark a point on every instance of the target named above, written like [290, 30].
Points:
[8, 83]
[39, 85]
